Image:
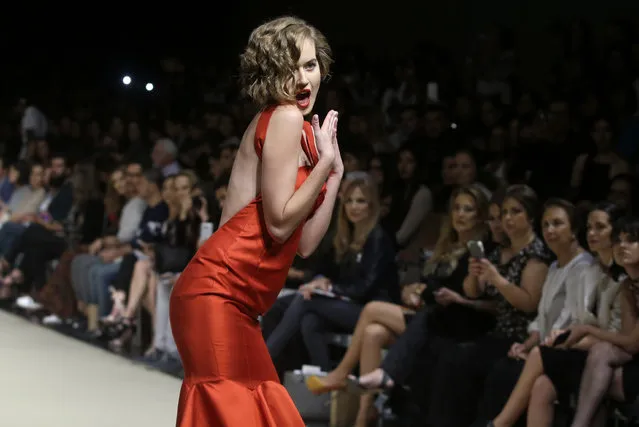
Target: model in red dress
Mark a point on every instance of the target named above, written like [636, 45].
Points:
[281, 195]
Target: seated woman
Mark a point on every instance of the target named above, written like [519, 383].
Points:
[41, 243]
[58, 296]
[552, 373]
[511, 276]
[412, 199]
[28, 194]
[561, 301]
[167, 258]
[449, 313]
[611, 368]
[364, 270]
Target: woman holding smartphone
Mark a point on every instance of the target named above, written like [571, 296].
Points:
[412, 327]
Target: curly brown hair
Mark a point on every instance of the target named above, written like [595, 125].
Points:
[269, 61]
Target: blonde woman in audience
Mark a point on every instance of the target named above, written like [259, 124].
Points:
[513, 277]
[360, 269]
[545, 372]
[449, 316]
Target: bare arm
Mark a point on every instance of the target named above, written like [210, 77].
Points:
[628, 338]
[526, 296]
[284, 207]
[481, 305]
[315, 228]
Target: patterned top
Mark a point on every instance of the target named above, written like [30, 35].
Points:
[513, 323]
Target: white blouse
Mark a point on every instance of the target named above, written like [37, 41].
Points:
[599, 299]
[558, 306]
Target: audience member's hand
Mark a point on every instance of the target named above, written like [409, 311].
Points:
[147, 248]
[518, 351]
[550, 339]
[203, 212]
[489, 273]
[322, 283]
[577, 333]
[108, 255]
[411, 294]
[95, 247]
[445, 297]
[475, 267]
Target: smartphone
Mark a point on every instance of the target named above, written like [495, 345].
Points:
[206, 230]
[476, 249]
[561, 339]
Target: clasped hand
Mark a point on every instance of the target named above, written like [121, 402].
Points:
[518, 351]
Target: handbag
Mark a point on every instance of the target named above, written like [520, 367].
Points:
[171, 259]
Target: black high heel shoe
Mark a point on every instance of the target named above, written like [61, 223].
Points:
[121, 335]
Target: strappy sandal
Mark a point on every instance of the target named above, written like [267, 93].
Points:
[354, 386]
[117, 313]
[123, 332]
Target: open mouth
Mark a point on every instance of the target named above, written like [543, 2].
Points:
[303, 98]
[305, 94]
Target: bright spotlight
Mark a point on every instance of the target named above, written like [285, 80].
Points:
[149, 87]
[126, 80]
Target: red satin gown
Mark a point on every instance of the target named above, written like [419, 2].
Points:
[235, 276]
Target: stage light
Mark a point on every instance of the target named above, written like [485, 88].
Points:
[126, 80]
[149, 87]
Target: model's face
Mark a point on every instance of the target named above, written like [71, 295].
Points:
[308, 77]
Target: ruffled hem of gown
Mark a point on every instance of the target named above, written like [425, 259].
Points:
[228, 403]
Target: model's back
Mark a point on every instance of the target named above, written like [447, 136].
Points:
[236, 275]
[245, 181]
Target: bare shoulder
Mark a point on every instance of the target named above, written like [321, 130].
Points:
[288, 115]
[285, 129]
